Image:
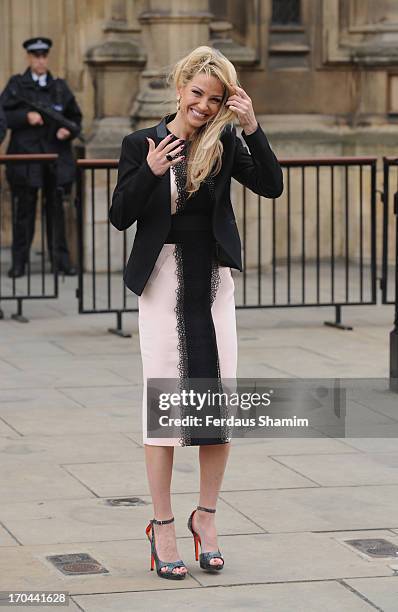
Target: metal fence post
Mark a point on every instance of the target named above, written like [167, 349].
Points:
[394, 332]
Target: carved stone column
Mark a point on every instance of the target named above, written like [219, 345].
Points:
[115, 64]
[170, 29]
[360, 30]
[229, 31]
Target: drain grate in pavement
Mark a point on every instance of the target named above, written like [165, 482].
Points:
[127, 501]
[375, 547]
[77, 564]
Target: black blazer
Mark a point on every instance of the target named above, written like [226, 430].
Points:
[142, 196]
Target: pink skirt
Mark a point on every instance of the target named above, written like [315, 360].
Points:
[161, 325]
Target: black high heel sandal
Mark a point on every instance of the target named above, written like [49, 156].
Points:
[169, 574]
[205, 557]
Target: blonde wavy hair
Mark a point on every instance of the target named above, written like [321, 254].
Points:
[205, 150]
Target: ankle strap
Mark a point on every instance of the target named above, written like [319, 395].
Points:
[162, 522]
[212, 510]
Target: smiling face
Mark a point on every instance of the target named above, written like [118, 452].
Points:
[38, 62]
[200, 100]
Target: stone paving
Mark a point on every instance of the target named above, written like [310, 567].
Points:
[70, 441]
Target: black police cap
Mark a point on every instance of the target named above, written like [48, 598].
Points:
[38, 43]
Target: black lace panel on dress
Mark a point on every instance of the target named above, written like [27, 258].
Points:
[198, 279]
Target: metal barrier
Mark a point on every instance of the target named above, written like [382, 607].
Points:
[315, 246]
[101, 288]
[321, 237]
[38, 283]
[389, 284]
[390, 203]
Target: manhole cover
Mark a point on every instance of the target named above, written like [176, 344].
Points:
[127, 501]
[76, 564]
[375, 547]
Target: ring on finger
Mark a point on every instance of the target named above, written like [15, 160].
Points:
[169, 157]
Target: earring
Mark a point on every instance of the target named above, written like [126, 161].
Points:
[178, 104]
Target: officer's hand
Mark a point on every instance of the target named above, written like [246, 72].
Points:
[63, 134]
[156, 157]
[35, 118]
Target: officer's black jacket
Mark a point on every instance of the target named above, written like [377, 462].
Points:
[3, 124]
[26, 138]
[142, 196]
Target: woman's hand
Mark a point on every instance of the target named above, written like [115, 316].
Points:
[242, 105]
[156, 158]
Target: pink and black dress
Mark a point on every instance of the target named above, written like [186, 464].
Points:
[187, 323]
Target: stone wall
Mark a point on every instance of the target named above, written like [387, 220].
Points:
[324, 80]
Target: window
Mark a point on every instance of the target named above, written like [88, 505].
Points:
[285, 12]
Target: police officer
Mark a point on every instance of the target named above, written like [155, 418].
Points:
[33, 132]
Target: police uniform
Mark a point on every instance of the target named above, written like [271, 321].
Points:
[26, 179]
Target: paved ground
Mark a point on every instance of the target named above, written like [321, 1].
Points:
[70, 441]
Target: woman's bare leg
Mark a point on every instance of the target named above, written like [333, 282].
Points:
[213, 460]
[159, 466]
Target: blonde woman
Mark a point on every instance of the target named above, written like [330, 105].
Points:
[174, 180]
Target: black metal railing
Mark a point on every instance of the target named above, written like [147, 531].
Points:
[390, 202]
[389, 281]
[100, 287]
[37, 281]
[314, 246]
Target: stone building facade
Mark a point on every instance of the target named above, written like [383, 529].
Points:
[322, 74]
